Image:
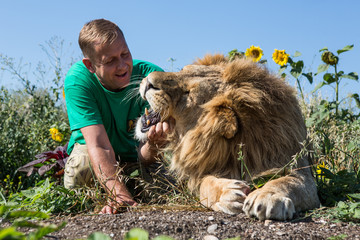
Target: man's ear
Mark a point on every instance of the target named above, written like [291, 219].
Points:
[88, 64]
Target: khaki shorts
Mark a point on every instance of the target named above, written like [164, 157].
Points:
[77, 170]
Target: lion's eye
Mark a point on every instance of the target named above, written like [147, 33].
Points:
[187, 92]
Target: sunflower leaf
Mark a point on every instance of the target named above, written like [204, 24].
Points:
[322, 68]
[308, 76]
[352, 76]
[345, 49]
[320, 85]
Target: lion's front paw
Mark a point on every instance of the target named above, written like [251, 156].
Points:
[265, 204]
[225, 195]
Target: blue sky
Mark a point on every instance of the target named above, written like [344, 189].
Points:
[187, 29]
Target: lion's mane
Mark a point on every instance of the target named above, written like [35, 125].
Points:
[256, 114]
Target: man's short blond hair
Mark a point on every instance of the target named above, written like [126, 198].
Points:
[98, 31]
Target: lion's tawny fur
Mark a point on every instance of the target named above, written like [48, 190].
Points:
[265, 118]
[226, 108]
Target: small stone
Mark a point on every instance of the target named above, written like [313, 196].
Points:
[210, 237]
[211, 218]
[212, 228]
[268, 222]
[142, 218]
[322, 221]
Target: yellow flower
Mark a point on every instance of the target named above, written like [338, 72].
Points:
[56, 135]
[280, 57]
[53, 131]
[319, 169]
[255, 53]
[63, 93]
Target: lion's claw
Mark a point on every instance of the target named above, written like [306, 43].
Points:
[231, 197]
[269, 205]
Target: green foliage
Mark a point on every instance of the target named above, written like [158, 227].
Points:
[331, 78]
[297, 71]
[136, 234]
[48, 197]
[338, 237]
[349, 210]
[27, 115]
[98, 236]
[336, 144]
[25, 121]
[21, 219]
[234, 54]
[335, 187]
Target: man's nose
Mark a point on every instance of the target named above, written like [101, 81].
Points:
[121, 64]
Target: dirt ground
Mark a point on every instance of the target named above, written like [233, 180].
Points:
[190, 224]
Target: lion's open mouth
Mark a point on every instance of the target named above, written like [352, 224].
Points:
[149, 119]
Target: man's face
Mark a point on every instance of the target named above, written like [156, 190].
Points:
[112, 64]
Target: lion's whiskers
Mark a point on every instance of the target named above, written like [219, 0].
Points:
[134, 92]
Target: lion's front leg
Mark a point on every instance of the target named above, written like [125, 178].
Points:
[280, 199]
[222, 194]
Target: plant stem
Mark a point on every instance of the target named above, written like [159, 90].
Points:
[336, 91]
[301, 92]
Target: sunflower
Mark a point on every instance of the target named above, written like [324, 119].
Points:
[280, 57]
[255, 53]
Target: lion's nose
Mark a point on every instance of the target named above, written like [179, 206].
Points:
[148, 86]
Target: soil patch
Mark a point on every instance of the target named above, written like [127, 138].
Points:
[202, 225]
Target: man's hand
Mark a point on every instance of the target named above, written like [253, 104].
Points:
[157, 133]
[114, 204]
[156, 138]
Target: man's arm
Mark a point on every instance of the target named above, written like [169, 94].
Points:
[104, 164]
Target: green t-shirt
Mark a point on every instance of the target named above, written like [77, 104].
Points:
[89, 103]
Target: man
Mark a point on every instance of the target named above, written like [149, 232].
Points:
[102, 112]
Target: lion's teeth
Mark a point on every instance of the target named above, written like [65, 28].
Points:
[148, 122]
[146, 112]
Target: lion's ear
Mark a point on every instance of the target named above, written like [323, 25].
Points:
[221, 118]
[228, 122]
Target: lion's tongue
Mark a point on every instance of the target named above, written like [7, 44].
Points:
[149, 119]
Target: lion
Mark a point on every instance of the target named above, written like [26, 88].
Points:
[234, 121]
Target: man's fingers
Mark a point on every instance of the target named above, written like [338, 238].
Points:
[159, 129]
[151, 132]
[106, 210]
[159, 132]
[165, 128]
